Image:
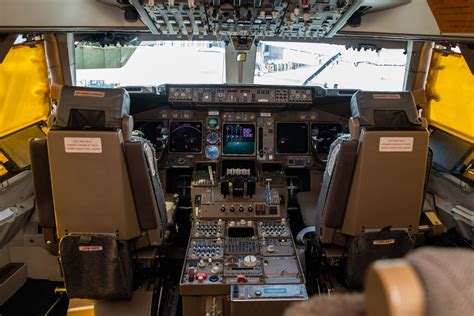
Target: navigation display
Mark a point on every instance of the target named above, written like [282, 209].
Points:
[292, 138]
[238, 139]
[327, 133]
[185, 137]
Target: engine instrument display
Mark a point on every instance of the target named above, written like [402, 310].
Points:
[185, 137]
[238, 139]
[292, 138]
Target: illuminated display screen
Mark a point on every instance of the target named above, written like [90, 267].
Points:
[274, 291]
[238, 139]
[185, 137]
[292, 138]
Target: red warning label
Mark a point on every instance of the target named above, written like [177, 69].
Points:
[87, 93]
[90, 248]
[88, 145]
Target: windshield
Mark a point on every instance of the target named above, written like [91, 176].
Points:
[150, 63]
[203, 62]
[329, 66]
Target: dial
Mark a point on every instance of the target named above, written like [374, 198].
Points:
[212, 152]
[212, 122]
[212, 137]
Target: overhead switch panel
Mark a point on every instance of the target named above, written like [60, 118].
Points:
[284, 19]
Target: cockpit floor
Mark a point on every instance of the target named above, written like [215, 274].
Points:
[36, 297]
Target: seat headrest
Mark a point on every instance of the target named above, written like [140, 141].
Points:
[385, 109]
[80, 107]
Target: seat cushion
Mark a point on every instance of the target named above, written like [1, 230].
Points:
[443, 271]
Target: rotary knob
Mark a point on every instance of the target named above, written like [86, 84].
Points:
[271, 248]
[201, 263]
[215, 269]
[250, 261]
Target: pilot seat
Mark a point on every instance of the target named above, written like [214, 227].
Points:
[372, 193]
[98, 192]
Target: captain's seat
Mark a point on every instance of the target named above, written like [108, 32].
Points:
[104, 198]
[372, 193]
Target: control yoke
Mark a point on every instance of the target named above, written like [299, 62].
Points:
[162, 142]
[314, 144]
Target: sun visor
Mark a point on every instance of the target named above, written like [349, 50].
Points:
[385, 109]
[91, 107]
[24, 88]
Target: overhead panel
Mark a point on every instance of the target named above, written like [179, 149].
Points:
[454, 16]
[284, 19]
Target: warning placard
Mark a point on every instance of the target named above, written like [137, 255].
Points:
[396, 144]
[88, 93]
[89, 145]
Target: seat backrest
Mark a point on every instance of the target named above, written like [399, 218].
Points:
[386, 168]
[89, 150]
[389, 178]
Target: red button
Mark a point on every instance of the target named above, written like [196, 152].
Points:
[241, 278]
[201, 276]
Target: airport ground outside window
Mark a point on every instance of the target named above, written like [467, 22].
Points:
[150, 64]
[277, 63]
[329, 66]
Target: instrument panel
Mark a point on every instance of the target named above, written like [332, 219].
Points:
[236, 144]
[266, 123]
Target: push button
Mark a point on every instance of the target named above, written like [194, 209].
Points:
[201, 276]
[241, 278]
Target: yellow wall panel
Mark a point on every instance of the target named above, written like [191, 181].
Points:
[24, 88]
[450, 92]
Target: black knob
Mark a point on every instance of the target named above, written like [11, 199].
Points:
[223, 209]
[241, 209]
[250, 209]
[232, 209]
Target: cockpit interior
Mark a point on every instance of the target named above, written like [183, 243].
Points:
[236, 157]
